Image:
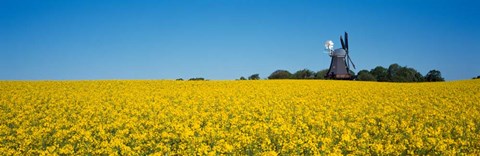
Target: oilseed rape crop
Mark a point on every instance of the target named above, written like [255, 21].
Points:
[265, 117]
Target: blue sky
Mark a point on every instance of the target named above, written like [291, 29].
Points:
[220, 39]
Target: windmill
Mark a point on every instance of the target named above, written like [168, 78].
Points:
[340, 64]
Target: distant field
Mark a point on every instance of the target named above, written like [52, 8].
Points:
[284, 117]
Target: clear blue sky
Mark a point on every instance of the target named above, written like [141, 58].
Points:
[226, 39]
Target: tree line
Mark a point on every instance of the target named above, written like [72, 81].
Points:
[397, 73]
[394, 73]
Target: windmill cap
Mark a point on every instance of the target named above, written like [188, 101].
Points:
[339, 53]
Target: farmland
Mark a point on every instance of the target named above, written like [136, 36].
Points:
[283, 117]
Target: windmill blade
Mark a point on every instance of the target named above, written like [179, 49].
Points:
[343, 43]
[346, 62]
[347, 51]
[346, 41]
[349, 59]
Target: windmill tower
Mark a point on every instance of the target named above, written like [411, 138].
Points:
[340, 64]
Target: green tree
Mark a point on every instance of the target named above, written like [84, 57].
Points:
[434, 76]
[418, 77]
[304, 74]
[254, 77]
[243, 78]
[280, 74]
[321, 74]
[405, 74]
[392, 72]
[380, 73]
[397, 73]
[364, 75]
[196, 79]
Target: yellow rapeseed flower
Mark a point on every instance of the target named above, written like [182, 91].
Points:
[281, 117]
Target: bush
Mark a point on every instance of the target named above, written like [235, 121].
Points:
[304, 74]
[364, 75]
[434, 76]
[254, 77]
[280, 74]
[321, 74]
[196, 79]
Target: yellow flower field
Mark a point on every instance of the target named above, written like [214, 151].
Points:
[266, 117]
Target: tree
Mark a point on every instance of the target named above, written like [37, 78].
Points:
[380, 73]
[405, 74]
[243, 78]
[364, 75]
[418, 77]
[196, 79]
[392, 73]
[434, 76]
[179, 79]
[304, 74]
[280, 74]
[254, 77]
[321, 74]
[397, 73]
